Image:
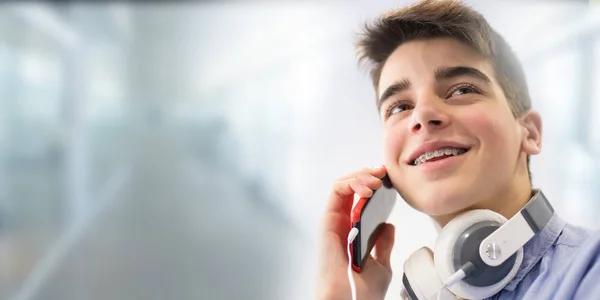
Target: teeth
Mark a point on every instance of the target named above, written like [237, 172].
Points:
[437, 153]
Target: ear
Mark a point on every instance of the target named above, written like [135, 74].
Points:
[531, 139]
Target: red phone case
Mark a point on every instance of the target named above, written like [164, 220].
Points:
[355, 218]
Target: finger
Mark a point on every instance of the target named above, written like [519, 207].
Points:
[343, 191]
[377, 171]
[370, 181]
[365, 184]
[384, 245]
[357, 185]
[341, 197]
[360, 188]
[378, 275]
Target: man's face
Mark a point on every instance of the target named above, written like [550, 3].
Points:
[450, 139]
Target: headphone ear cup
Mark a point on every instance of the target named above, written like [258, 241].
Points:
[444, 250]
[422, 276]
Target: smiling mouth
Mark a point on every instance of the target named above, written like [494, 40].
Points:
[438, 155]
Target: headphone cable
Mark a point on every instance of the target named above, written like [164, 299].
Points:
[351, 236]
[464, 270]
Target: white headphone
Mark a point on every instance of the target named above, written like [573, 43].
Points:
[476, 254]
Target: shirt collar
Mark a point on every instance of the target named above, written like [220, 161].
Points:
[535, 249]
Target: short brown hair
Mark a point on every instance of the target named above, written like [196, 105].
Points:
[430, 19]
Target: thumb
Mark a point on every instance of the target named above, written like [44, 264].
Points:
[384, 245]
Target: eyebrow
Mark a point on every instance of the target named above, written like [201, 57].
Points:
[445, 73]
[440, 74]
[393, 89]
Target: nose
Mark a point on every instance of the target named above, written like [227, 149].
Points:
[429, 115]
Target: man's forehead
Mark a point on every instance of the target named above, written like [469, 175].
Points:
[419, 59]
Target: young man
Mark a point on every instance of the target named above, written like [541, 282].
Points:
[444, 78]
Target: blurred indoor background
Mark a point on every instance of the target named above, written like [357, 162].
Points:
[185, 150]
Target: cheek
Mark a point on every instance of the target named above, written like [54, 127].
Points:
[393, 142]
[494, 131]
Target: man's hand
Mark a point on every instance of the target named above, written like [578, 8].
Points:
[332, 282]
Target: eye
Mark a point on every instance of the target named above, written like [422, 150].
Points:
[397, 108]
[464, 89]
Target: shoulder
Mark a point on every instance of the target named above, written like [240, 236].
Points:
[581, 276]
[571, 268]
[583, 246]
[590, 249]
[589, 268]
[574, 236]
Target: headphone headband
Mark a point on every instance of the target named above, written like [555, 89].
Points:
[537, 212]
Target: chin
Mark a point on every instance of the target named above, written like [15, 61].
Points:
[440, 200]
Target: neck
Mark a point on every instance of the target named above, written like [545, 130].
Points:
[507, 203]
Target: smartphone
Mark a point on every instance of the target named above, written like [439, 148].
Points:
[368, 216]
